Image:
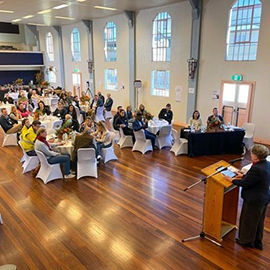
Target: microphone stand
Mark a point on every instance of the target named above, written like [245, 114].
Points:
[202, 233]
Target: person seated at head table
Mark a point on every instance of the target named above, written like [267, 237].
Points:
[195, 121]
[23, 112]
[43, 146]
[122, 122]
[73, 114]
[109, 102]
[14, 115]
[102, 137]
[60, 111]
[83, 140]
[256, 197]
[28, 138]
[25, 126]
[129, 113]
[115, 117]
[138, 125]
[8, 99]
[166, 113]
[42, 109]
[7, 124]
[87, 123]
[215, 117]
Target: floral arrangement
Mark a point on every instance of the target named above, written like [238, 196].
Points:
[39, 77]
[214, 124]
[84, 99]
[65, 129]
[19, 81]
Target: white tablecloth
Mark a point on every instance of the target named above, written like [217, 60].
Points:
[156, 125]
[47, 121]
[51, 102]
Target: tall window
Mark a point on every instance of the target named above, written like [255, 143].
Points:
[49, 46]
[160, 83]
[75, 45]
[161, 40]
[110, 48]
[111, 79]
[243, 30]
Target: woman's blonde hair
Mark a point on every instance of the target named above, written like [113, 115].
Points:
[102, 125]
[40, 130]
[260, 151]
[12, 108]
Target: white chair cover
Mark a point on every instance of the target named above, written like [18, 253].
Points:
[99, 114]
[180, 146]
[164, 137]
[108, 115]
[79, 116]
[125, 141]
[48, 172]
[250, 131]
[57, 124]
[108, 153]
[116, 132]
[30, 162]
[87, 163]
[9, 139]
[141, 144]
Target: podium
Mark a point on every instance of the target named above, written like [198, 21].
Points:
[221, 203]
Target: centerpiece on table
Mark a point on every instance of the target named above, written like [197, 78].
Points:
[214, 126]
[84, 99]
[19, 81]
[65, 129]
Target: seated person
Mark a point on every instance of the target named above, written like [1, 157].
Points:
[129, 112]
[69, 97]
[109, 102]
[53, 158]
[8, 99]
[166, 114]
[215, 117]
[77, 104]
[14, 115]
[115, 117]
[28, 138]
[102, 137]
[23, 112]
[138, 125]
[7, 124]
[64, 100]
[142, 109]
[84, 140]
[122, 122]
[60, 111]
[73, 114]
[25, 126]
[42, 109]
[87, 123]
[22, 98]
[70, 123]
[35, 97]
[195, 121]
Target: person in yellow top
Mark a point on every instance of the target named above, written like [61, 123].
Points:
[28, 138]
[25, 126]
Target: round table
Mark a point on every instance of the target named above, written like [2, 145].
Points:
[155, 125]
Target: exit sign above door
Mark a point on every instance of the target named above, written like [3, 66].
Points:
[237, 77]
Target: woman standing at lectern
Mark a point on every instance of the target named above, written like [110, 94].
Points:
[256, 196]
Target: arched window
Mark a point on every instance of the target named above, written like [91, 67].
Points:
[243, 30]
[161, 40]
[49, 46]
[110, 48]
[75, 45]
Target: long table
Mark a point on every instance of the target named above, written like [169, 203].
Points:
[214, 143]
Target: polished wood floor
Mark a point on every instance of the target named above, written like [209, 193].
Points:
[133, 216]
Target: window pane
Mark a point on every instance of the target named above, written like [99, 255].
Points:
[229, 91]
[75, 45]
[110, 47]
[243, 93]
[160, 83]
[111, 79]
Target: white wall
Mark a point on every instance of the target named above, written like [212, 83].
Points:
[181, 27]
[121, 96]
[213, 67]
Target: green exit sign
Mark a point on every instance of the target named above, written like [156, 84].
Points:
[76, 70]
[237, 77]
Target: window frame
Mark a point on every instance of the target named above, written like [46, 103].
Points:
[50, 46]
[106, 39]
[166, 89]
[76, 50]
[106, 83]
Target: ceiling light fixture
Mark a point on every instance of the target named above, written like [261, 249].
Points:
[16, 20]
[107, 8]
[64, 18]
[37, 24]
[44, 11]
[28, 16]
[6, 11]
[81, 1]
[60, 6]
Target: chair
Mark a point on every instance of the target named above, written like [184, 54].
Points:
[108, 115]
[30, 162]
[141, 144]
[87, 163]
[79, 116]
[108, 153]
[9, 139]
[125, 140]
[164, 137]
[48, 172]
[250, 131]
[57, 124]
[8, 267]
[54, 103]
[180, 146]
[116, 132]
[99, 114]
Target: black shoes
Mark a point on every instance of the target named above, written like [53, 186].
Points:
[257, 245]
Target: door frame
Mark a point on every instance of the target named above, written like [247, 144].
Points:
[250, 98]
[73, 86]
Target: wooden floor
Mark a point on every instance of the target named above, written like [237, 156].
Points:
[133, 216]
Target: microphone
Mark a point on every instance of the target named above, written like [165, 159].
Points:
[235, 160]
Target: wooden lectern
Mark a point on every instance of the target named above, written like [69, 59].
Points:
[221, 203]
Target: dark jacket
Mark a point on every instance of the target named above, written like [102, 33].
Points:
[114, 121]
[168, 116]
[60, 113]
[108, 104]
[8, 100]
[121, 121]
[210, 118]
[138, 125]
[129, 114]
[255, 184]
[6, 123]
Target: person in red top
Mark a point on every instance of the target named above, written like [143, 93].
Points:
[23, 112]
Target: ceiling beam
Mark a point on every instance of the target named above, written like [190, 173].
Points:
[130, 16]
[194, 3]
[88, 25]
